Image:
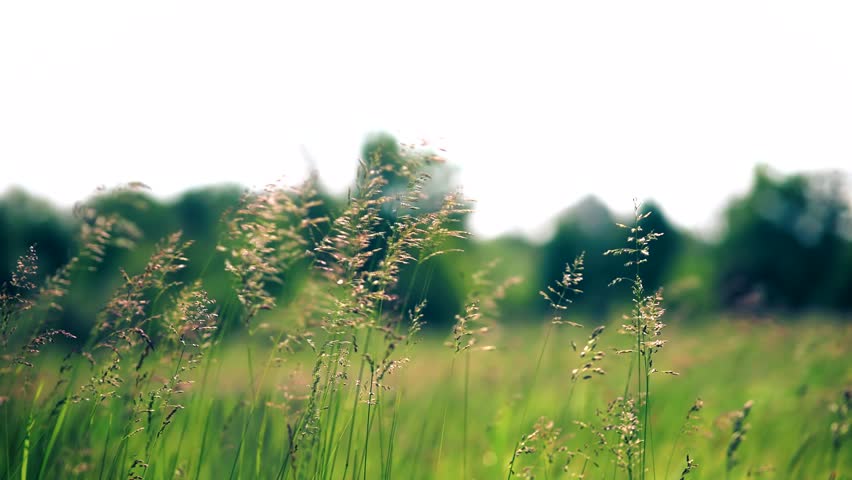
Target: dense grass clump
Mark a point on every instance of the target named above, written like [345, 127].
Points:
[341, 381]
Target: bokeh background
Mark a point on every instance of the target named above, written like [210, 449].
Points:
[782, 248]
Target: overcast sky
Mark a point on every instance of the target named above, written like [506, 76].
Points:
[538, 104]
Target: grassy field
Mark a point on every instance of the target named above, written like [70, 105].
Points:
[341, 383]
[447, 415]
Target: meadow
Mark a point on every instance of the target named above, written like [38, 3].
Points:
[344, 380]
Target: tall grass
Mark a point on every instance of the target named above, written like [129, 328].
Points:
[340, 381]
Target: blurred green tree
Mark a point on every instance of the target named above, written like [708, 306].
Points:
[784, 245]
[26, 220]
[590, 227]
[587, 227]
[442, 280]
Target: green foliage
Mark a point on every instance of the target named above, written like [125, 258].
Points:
[27, 221]
[587, 227]
[785, 244]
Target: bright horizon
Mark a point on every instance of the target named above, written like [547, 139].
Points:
[537, 107]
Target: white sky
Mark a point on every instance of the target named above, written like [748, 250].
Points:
[539, 104]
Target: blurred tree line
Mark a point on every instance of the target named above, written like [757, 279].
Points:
[785, 246]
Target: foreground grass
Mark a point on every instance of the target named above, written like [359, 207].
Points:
[235, 424]
[340, 383]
